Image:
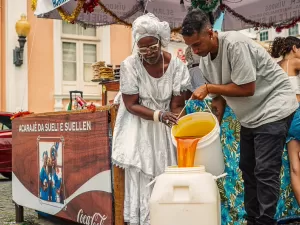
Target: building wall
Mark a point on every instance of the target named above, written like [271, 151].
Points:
[40, 64]
[272, 34]
[36, 85]
[61, 96]
[16, 81]
[2, 57]
[120, 48]
[120, 44]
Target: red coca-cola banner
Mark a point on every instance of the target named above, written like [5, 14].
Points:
[61, 166]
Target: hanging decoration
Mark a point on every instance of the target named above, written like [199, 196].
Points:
[278, 26]
[203, 5]
[71, 18]
[33, 5]
[138, 7]
[123, 22]
[113, 15]
[89, 6]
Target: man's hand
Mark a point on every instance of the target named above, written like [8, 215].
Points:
[200, 93]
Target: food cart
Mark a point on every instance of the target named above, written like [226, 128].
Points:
[61, 160]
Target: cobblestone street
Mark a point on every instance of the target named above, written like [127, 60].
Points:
[7, 208]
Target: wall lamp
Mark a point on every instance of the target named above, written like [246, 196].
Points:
[22, 29]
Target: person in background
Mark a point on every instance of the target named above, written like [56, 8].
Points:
[44, 179]
[260, 94]
[153, 84]
[289, 49]
[197, 79]
[55, 181]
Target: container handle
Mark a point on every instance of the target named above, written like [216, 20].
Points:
[184, 107]
[220, 176]
[207, 106]
[152, 182]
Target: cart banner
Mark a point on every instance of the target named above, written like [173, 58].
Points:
[265, 11]
[61, 166]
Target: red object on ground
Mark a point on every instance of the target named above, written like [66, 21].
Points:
[5, 144]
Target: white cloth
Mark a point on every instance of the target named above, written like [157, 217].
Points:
[295, 81]
[149, 25]
[197, 79]
[144, 147]
[137, 195]
[117, 98]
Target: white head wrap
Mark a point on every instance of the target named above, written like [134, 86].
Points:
[149, 25]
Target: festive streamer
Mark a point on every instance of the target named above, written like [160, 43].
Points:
[201, 4]
[278, 26]
[33, 4]
[71, 18]
[113, 15]
[123, 22]
[89, 6]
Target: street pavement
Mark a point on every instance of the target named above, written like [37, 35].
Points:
[7, 208]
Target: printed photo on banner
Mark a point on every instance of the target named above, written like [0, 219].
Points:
[51, 188]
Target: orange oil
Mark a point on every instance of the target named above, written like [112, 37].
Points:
[188, 133]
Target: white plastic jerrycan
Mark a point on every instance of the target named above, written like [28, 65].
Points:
[185, 196]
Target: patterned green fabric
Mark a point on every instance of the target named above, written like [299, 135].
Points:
[231, 187]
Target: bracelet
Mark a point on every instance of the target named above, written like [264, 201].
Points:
[206, 88]
[161, 116]
[156, 116]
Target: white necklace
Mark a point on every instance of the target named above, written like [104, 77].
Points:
[163, 63]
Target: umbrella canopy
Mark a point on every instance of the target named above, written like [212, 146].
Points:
[239, 14]
[113, 11]
[242, 14]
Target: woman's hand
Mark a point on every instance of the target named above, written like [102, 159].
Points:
[169, 119]
[200, 93]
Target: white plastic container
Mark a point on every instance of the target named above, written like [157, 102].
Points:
[185, 196]
[209, 149]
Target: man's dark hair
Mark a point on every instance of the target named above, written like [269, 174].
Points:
[195, 21]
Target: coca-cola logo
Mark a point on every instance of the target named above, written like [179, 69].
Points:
[96, 219]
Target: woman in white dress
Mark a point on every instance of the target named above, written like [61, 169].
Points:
[153, 86]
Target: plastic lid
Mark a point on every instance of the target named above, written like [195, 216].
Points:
[176, 169]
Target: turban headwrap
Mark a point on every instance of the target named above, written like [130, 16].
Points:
[148, 25]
